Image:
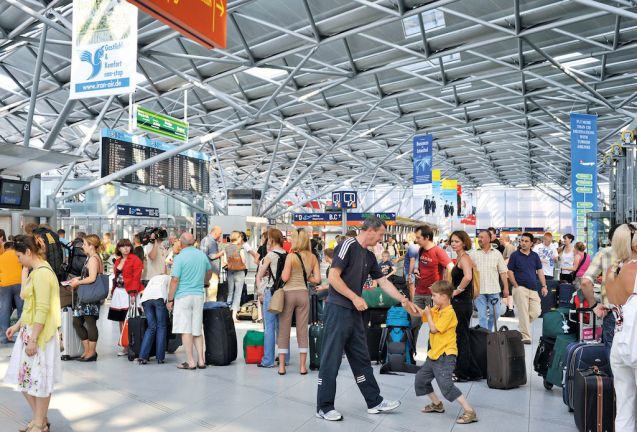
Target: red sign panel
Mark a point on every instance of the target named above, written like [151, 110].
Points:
[203, 21]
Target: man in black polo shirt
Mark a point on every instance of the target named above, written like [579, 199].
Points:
[344, 328]
[524, 267]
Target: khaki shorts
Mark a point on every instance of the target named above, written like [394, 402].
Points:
[188, 315]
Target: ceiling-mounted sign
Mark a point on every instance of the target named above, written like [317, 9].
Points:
[345, 199]
[335, 219]
[203, 21]
[104, 49]
[160, 124]
[125, 210]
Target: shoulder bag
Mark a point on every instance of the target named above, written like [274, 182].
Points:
[94, 292]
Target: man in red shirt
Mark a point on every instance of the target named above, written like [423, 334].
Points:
[432, 263]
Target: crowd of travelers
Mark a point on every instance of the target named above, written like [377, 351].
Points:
[172, 277]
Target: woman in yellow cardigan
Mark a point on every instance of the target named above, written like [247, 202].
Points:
[35, 365]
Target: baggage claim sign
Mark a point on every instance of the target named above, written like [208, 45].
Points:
[583, 174]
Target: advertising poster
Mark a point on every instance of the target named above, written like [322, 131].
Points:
[583, 175]
[104, 48]
[468, 207]
[423, 155]
[431, 201]
[450, 198]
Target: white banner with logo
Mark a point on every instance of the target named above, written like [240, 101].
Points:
[104, 53]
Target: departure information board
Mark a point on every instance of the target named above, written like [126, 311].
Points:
[188, 171]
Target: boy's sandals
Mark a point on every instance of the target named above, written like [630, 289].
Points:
[433, 408]
[467, 417]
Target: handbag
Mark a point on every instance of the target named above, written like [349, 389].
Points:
[95, 292]
[476, 283]
[277, 302]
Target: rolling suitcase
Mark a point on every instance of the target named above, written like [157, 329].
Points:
[549, 302]
[374, 319]
[542, 359]
[556, 323]
[594, 401]
[565, 295]
[555, 374]
[506, 368]
[316, 332]
[136, 327]
[478, 342]
[220, 336]
[72, 346]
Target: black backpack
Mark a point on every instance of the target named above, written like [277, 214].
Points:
[54, 250]
[278, 283]
[77, 258]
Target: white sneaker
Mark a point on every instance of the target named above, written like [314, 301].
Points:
[332, 415]
[384, 406]
[122, 352]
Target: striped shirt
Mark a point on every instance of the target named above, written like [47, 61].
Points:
[490, 264]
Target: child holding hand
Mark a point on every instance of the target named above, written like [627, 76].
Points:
[441, 357]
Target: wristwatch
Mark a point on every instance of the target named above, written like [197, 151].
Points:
[170, 301]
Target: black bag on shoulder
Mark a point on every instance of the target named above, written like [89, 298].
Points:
[54, 251]
[77, 258]
[278, 283]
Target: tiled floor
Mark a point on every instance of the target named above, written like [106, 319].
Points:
[116, 395]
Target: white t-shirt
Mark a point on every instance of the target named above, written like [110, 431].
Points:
[154, 267]
[547, 256]
[157, 288]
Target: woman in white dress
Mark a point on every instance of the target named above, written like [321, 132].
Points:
[35, 365]
[567, 259]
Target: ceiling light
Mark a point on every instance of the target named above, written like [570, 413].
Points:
[556, 134]
[309, 95]
[400, 156]
[85, 129]
[580, 62]
[266, 73]
[568, 56]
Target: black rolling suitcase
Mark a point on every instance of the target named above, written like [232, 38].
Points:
[506, 367]
[478, 343]
[594, 401]
[549, 302]
[137, 326]
[220, 336]
[316, 332]
[374, 319]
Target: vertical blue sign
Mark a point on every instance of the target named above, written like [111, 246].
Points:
[583, 175]
[422, 159]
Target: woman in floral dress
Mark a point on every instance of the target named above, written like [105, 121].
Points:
[35, 365]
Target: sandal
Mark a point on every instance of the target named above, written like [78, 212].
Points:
[185, 365]
[39, 428]
[434, 408]
[467, 417]
[30, 425]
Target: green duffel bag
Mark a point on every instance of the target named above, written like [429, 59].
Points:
[376, 298]
[555, 374]
[556, 323]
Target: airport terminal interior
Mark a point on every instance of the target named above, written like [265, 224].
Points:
[188, 186]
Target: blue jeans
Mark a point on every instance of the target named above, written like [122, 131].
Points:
[270, 332]
[9, 300]
[608, 332]
[481, 303]
[157, 318]
[236, 279]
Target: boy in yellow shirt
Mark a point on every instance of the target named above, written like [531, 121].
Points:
[441, 357]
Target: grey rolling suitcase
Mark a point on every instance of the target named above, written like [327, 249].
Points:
[72, 346]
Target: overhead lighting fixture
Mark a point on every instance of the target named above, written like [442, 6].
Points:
[309, 95]
[580, 62]
[556, 134]
[402, 155]
[568, 56]
[266, 73]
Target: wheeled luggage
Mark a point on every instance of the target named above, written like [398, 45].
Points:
[580, 356]
[594, 401]
[219, 334]
[373, 320]
[506, 368]
[72, 346]
[253, 342]
[565, 295]
[136, 327]
[555, 323]
[543, 355]
[316, 333]
[549, 301]
[555, 374]
[478, 343]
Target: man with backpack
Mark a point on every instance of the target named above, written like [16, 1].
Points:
[77, 256]
[52, 245]
[344, 327]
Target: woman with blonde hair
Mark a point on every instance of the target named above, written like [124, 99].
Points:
[621, 288]
[85, 315]
[301, 267]
[35, 365]
[236, 259]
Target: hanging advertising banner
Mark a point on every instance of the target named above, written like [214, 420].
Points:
[450, 198]
[104, 48]
[160, 124]
[583, 174]
[423, 156]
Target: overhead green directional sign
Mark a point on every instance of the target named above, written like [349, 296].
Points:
[161, 124]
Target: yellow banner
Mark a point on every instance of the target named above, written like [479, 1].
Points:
[435, 174]
[450, 184]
